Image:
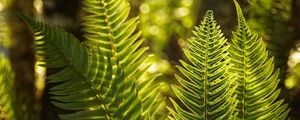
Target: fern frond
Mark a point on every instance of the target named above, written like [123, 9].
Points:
[97, 83]
[115, 98]
[87, 82]
[106, 27]
[257, 78]
[57, 48]
[76, 91]
[207, 89]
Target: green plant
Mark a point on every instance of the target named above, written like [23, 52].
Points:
[105, 26]
[100, 78]
[257, 79]
[207, 92]
[103, 77]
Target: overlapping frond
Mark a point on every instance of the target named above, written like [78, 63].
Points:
[58, 49]
[99, 79]
[207, 88]
[106, 27]
[111, 97]
[86, 82]
[257, 78]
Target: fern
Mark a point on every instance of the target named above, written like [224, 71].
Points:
[90, 89]
[87, 88]
[105, 26]
[99, 78]
[103, 77]
[257, 78]
[207, 93]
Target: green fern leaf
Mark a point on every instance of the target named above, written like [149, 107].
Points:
[115, 97]
[207, 93]
[88, 83]
[106, 27]
[58, 49]
[97, 81]
[257, 79]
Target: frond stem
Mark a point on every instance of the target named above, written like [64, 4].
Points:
[244, 81]
[110, 32]
[206, 79]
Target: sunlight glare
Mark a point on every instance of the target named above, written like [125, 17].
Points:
[290, 82]
[144, 8]
[294, 59]
[154, 30]
[153, 68]
[1, 7]
[38, 5]
[40, 75]
[182, 11]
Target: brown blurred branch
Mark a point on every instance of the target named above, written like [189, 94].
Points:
[22, 58]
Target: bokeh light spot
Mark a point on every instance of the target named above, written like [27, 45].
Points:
[164, 87]
[153, 68]
[144, 8]
[182, 11]
[290, 82]
[154, 30]
[294, 59]
[1, 7]
[38, 4]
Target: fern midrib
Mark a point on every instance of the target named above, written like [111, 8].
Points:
[111, 38]
[114, 56]
[206, 78]
[245, 79]
[110, 32]
[86, 80]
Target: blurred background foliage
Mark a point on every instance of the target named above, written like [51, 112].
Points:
[166, 26]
